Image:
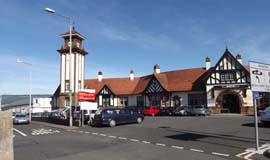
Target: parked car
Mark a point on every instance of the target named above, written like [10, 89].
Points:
[166, 111]
[13, 115]
[151, 111]
[114, 116]
[265, 116]
[136, 108]
[200, 110]
[21, 119]
[182, 111]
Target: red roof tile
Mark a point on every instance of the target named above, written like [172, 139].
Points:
[179, 80]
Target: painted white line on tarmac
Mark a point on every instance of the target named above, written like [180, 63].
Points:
[80, 131]
[160, 144]
[21, 133]
[177, 147]
[134, 140]
[112, 136]
[95, 133]
[87, 132]
[248, 155]
[146, 142]
[123, 138]
[241, 154]
[104, 135]
[220, 154]
[196, 150]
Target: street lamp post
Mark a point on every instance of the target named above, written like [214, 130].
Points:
[70, 63]
[30, 90]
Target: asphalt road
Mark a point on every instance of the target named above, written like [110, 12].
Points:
[214, 137]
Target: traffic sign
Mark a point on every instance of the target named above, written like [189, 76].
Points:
[260, 76]
[256, 95]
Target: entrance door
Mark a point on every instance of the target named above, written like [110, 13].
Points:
[230, 104]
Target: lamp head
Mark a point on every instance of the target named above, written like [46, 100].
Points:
[49, 10]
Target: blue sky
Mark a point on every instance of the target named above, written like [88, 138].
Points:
[125, 34]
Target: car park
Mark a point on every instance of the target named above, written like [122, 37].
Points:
[21, 119]
[115, 116]
[200, 110]
[265, 116]
[151, 111]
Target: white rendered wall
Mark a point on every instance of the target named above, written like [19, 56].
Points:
[62, 89]
[42, 104]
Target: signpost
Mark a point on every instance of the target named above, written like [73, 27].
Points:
[260, 82]
[83, 96]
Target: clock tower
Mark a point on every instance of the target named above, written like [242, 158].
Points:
[76, 70]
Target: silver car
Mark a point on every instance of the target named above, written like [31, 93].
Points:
[21, 119]
[200, 110]
[265, 116]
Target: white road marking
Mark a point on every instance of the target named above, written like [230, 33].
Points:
[112, 136]
[220, 154]
[160, 144]
[95, 133]
[103, 135]
[197, 150]
[177, 147]
[248, 155]
[134, 140]
[43, 131]
[241, 154]
[80, 131]
[87, 132]
[21, 133]
[123, 138]
[146, 142]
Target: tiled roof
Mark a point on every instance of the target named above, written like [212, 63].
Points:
[179, 80]
[73, 33]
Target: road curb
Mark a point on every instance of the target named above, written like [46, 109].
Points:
[54, 125]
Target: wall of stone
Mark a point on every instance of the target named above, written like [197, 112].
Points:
[6, 136]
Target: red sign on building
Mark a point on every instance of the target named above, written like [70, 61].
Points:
[87, 95]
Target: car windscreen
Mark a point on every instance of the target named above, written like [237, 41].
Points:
[198, 107]
[20, 115]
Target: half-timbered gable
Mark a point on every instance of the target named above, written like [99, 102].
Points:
[105, 97]
[228, 71]
[154, 87]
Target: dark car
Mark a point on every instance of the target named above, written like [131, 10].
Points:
[182, 111]
[115, 116]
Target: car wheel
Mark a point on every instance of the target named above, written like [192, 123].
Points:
[112, 123]
[153, 114]
[170, 113]
[185, 114]
[139, 120]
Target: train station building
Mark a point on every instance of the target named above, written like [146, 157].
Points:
[223, 86]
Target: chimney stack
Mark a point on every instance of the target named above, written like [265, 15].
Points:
[131, 76]
[156, 69]
[239, 58]
[207, 63]
[99, 76]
